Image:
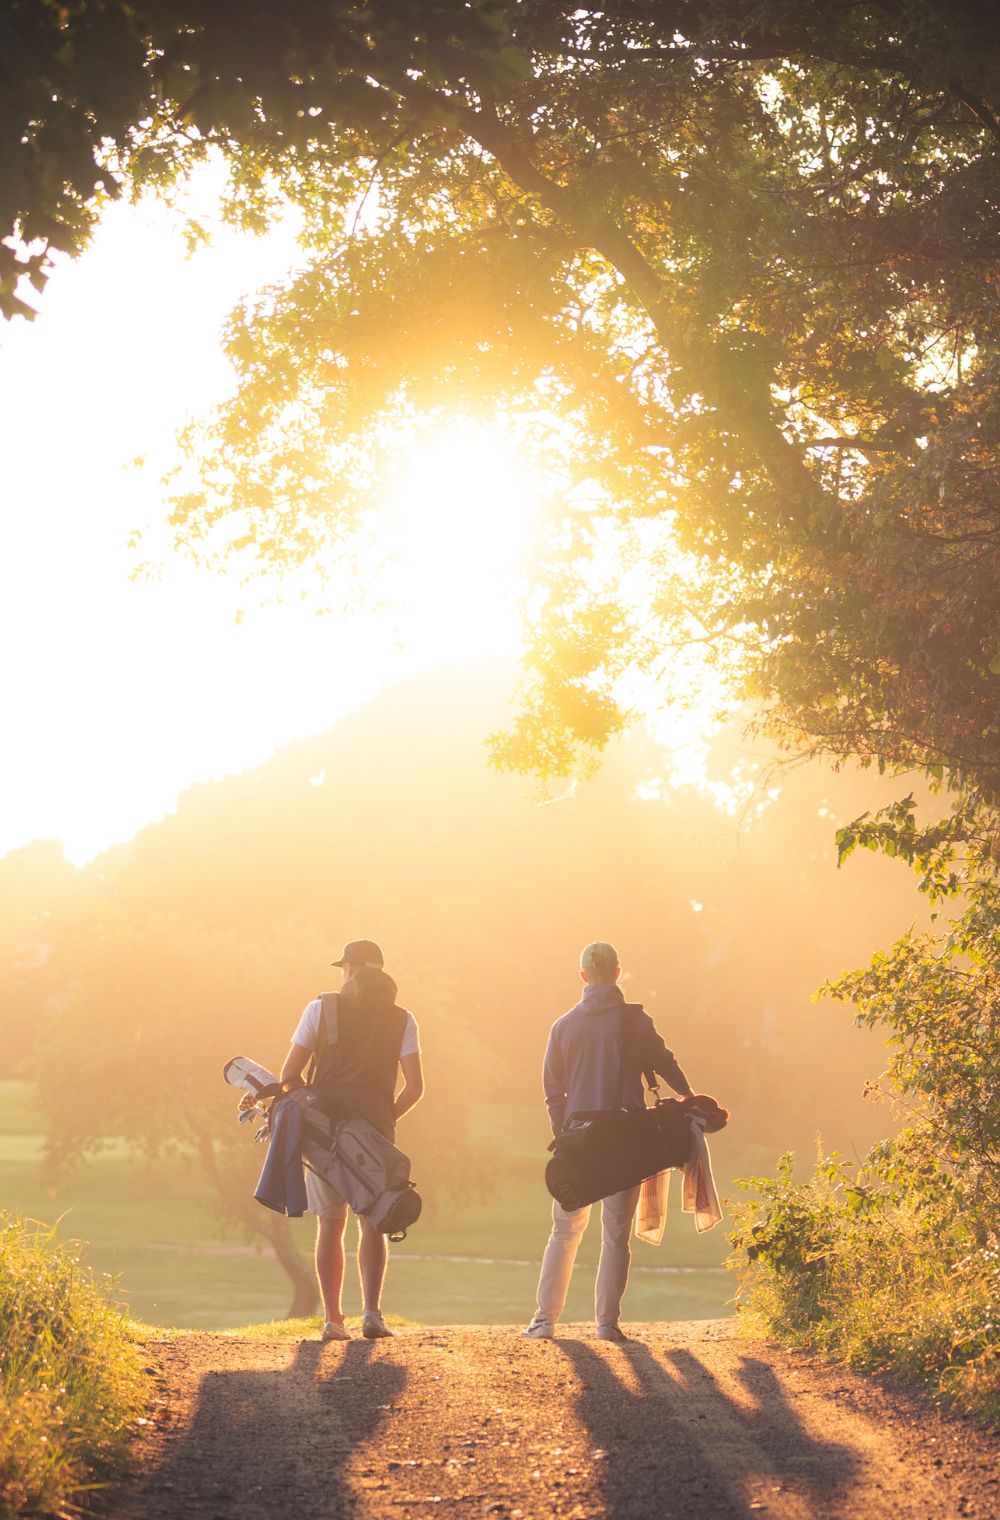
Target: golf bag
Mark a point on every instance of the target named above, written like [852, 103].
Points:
[615, 1151]
[351, 1156]
[607, 1151]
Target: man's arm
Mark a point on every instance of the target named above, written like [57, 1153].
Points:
[655, 1055]
[412, 1089]
[554, 1080]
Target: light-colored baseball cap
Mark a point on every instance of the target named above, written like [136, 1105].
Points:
[599, 956]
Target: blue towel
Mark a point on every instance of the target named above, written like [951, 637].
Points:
[282, 1184]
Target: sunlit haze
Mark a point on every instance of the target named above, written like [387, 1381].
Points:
[119, 691]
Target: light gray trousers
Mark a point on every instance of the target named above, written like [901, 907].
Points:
[617, 1213]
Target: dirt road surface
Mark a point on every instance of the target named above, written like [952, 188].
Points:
[686, 1421]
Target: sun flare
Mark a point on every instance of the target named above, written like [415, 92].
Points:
[456, 535]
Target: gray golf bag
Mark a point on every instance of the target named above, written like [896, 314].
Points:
[351, 1156]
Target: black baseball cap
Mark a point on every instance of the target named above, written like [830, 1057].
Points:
[361, 952]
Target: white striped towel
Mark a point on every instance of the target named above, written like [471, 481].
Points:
[700, 1196]
[651, 1210]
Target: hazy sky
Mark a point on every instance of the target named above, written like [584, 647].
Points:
[118, 693]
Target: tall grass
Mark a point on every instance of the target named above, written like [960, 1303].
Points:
[71, 1380]
[891, 1279]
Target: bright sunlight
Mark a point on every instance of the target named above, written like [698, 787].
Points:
[175, 673]
[457, 532]
[158, 679]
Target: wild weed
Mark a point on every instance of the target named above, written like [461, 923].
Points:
[71, 1382]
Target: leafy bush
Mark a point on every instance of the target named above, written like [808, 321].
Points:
[884, 1266]
[897, 1264]
[71, 1383]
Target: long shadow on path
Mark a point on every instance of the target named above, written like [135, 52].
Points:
[265, 1443]
[677, 1445]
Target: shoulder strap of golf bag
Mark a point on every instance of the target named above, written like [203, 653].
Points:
[631, 1037]
[327, 1034]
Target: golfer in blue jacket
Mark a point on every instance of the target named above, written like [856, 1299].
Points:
[582, 1069]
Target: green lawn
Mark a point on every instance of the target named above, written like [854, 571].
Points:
[152, 1229]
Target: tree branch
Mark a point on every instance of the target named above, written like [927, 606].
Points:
[776, 46]
[859, 445]
[742, 400]
[979, 109]
[763, 49]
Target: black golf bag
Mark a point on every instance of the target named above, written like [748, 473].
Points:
[615, 1151]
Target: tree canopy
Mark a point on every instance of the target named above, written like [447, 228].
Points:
[732, 267]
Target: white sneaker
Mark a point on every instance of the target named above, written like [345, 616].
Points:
[334, 1332]
[373, 1326]
[540, 1330]
[611, 1333]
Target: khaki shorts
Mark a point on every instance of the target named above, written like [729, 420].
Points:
[322, 1199]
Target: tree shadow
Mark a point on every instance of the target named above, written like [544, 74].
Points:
[675, 1443]
[264, 1443]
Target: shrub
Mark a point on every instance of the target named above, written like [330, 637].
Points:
[71, 1381]
[883, 1266]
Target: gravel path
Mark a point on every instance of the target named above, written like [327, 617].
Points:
[686, 1421]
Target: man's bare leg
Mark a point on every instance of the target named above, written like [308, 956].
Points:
[330, 1264]
[373, 1254]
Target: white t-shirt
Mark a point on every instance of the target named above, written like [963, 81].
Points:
[307, 1033]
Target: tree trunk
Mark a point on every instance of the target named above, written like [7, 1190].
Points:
[305, 1292]
[273, 1227]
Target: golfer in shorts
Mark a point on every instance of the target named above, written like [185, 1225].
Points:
[356, 1078]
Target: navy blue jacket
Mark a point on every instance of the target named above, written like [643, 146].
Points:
[584, 1058]
[282, 1184]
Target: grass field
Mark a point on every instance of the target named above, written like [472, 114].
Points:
[152, 1229]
